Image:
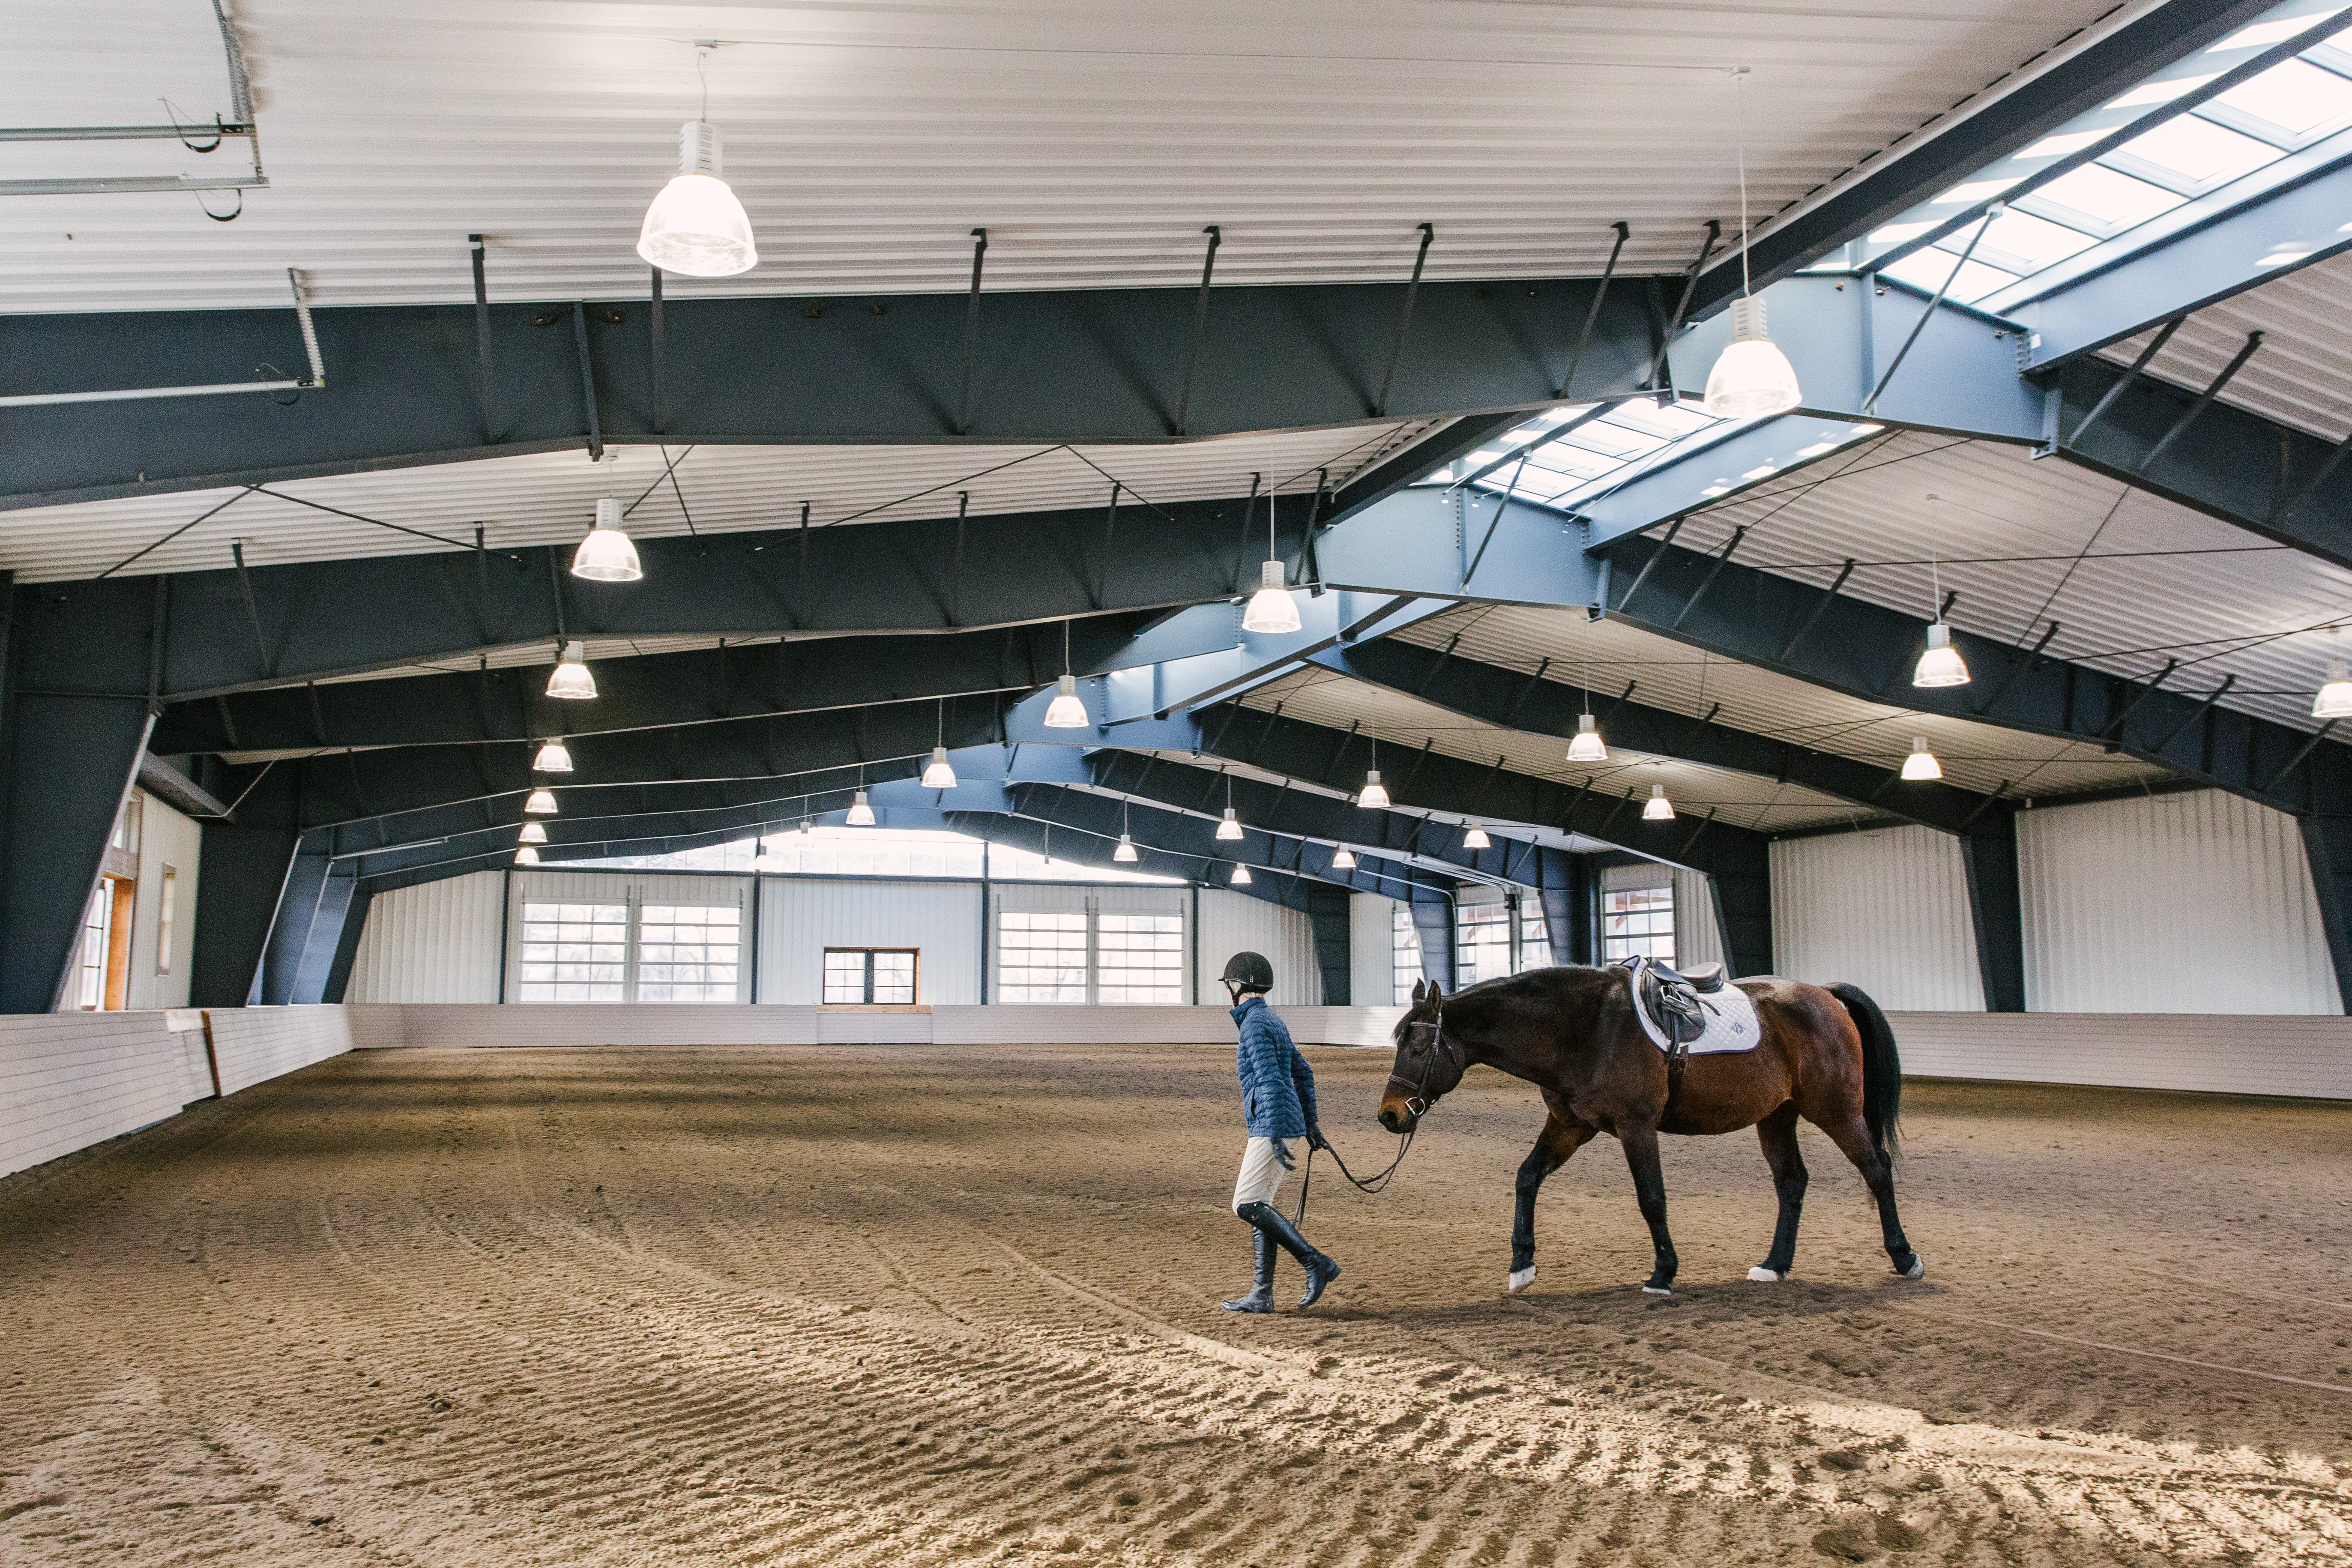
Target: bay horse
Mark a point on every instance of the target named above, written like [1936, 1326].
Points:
[1827, 1055]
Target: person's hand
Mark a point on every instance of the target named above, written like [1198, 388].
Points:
[1315, 1139]
[1282, 1155]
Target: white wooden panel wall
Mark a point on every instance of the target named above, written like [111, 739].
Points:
[1887, 910]
[166, 837]
[1698, 935]
[1231, 922]
[434, 942]
[253, 1045]
[2309, 1057]
[799, 918]
[2197, 902]
[1372, 950]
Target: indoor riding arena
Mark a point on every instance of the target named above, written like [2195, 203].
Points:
[1439, 785]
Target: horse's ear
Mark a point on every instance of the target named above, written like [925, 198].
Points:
[1436, 997]
[1420, 989]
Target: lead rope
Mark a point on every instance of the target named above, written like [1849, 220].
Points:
[1372, 1185]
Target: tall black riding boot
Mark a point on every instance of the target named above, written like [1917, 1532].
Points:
[1321, 1270]
[1261, 1298]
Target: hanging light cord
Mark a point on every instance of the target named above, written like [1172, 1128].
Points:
[1739, 97]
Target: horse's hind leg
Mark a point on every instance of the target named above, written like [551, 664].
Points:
[1562, 1136]
[1849, 1135]
[1777, 1133]
[1649, 1188]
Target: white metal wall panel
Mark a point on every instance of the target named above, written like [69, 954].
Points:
[1231, 922]
[1698, 935]
[1372, 950]
[166, 837]
[801, 917]
[437, 941]
[2197, 902]
[1887, 910]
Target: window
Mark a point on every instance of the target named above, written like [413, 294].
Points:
[574, 952]
[870, 976]
[1140, 960]
[1481, 942]
[1042, 957]
[688, 952]
[1638, 920]
[1404, 946]
[165, 907]
[1534, 938]
[97, 930]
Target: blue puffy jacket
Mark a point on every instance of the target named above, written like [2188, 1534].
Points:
[1278, 1086]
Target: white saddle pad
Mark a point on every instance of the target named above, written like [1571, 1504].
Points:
[1731, 1024]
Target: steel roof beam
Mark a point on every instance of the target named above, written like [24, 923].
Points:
[1077, 365]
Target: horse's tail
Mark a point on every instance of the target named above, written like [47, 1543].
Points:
[1882, 1068]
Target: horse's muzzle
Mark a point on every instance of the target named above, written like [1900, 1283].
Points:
[1399, 1115]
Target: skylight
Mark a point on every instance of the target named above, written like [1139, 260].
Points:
[2181, 157]
[1602, 449]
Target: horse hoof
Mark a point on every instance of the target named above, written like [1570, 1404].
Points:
[1763, 1276]
[1655, 1290]
[1918, 1269]
[1519, 1281]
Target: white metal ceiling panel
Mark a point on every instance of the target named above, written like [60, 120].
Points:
[2301, 376]
[548, 498]
[2132, 580]
[1093, 138]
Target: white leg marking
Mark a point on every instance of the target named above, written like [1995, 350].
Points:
[1918, 1269]
[1520, 1279]
[1655, 1290]
[1763, 1276]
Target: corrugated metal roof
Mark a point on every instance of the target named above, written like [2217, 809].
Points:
[2131, 579]
[550, 497]
[1407, 724]
[1093, 139]
[1667, 674]
[2302, 376]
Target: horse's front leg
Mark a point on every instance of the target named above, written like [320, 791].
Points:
[1562, 1135]
[1649, 1188]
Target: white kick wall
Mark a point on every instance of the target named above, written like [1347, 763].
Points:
[1886, 910]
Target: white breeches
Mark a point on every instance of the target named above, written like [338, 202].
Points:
[1262, 1173]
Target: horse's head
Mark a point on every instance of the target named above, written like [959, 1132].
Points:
[1427, 1065]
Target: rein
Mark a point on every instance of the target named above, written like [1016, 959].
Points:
[1418, 1099]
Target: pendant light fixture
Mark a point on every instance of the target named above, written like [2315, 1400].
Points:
[940, 774]
[533, 833]
[571, 680]
[1921, 764]
[526, 856]
[1476, 838]
[1271, 608]
[1587, 747]
[1658, 808]
[2334, 699]
[606, 555]
[1344, 861]
[1125, 851]
[1375, 797]
[539, 803]
[1229, 830]
[1941, 665]
[1752, 379]
[1240, 875]
[1066, 711]
[696, 225]
[860, 814]
[554, 758]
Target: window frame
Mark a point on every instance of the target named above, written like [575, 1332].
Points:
[866, 970]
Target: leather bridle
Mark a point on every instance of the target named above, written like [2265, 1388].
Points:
[1417, 1096]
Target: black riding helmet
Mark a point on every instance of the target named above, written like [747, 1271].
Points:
[1250, 971]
